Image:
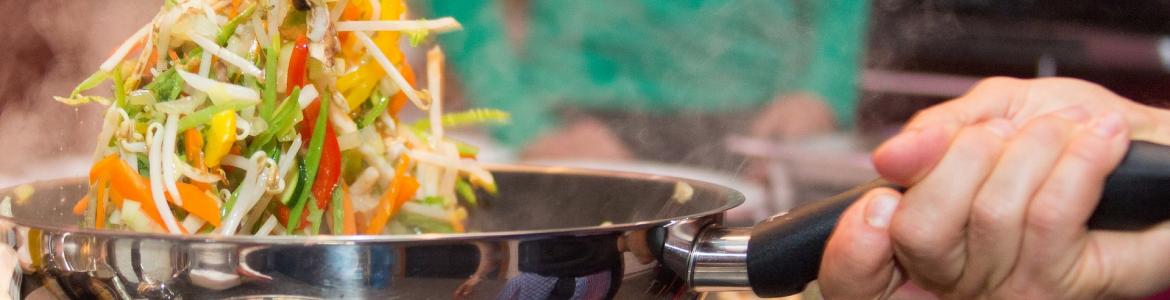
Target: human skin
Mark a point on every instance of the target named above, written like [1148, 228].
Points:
[1001, 182]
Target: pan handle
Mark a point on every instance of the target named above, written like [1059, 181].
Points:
[784, 252]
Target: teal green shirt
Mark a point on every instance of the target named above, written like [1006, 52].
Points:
[652, 55]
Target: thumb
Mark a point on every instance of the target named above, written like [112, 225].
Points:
[1132, 264]
[859, 258]
[910, 155]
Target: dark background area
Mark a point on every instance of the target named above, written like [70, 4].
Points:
[1113, 43]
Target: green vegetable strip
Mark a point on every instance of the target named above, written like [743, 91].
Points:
[90, 82]
[301, 184]
[465, 118]
[230, 27]
[425, 224]
[167, 86]
[269, 101]
[281, 121]
[119, 87]
[338, 213]
[466, 149]
[380, 105]
[203, 116]
[290, 190]
[312, 160]
[464, 190]
[315, 216]
[227, 207]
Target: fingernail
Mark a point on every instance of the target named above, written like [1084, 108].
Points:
[1108, 125]
[1075, 113]
[879, 210]
[1001, 127]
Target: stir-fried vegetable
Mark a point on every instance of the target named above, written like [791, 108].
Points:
[224, 120]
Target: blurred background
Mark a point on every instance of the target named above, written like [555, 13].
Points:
[779, 99]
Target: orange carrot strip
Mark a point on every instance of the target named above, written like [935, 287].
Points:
[116, 198]
[101, 168]
[193, 142]
[359, 221]
[129, 183]
[406, 189]
[235, 8]
[198, 203]
[79, 208]
[386, 204]
[100, 215]
[457, 226]
[348, 222]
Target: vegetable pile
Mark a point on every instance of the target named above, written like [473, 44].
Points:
[274, 117]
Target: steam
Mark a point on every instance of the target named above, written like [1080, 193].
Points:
[50, 46]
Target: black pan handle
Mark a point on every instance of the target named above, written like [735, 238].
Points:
[784, 252]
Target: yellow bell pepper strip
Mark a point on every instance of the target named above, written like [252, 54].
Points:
[358, 94]
[79, 208]
[198, 203]
[100, 215]
[220, 137]
[356, 85]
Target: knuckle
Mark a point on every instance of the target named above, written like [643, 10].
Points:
[976, 142]
[1063, 83]
[986, 216]
[917, 239]
[1044, 219]
[1049, 131]
[997, 82]
[1088, 153]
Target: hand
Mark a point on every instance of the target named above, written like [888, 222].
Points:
[794, 116]
[1018, 101]
[998, 212]
[585, 138]
[464, 290]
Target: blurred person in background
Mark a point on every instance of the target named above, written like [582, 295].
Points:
[652, 80]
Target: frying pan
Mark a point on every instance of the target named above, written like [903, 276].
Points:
[551, 233]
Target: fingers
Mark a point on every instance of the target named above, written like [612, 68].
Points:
[859, 259]
[989, 99]
[994, 231]
[1057, 215]
[928, 231]
[909, 156]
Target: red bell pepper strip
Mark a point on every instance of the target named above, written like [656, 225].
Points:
[297, 65]
[329, 168]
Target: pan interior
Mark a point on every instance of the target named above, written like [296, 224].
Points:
[530, 199]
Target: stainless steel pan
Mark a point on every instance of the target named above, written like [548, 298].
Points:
[552, 233]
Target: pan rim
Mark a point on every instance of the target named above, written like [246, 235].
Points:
[735, 198]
